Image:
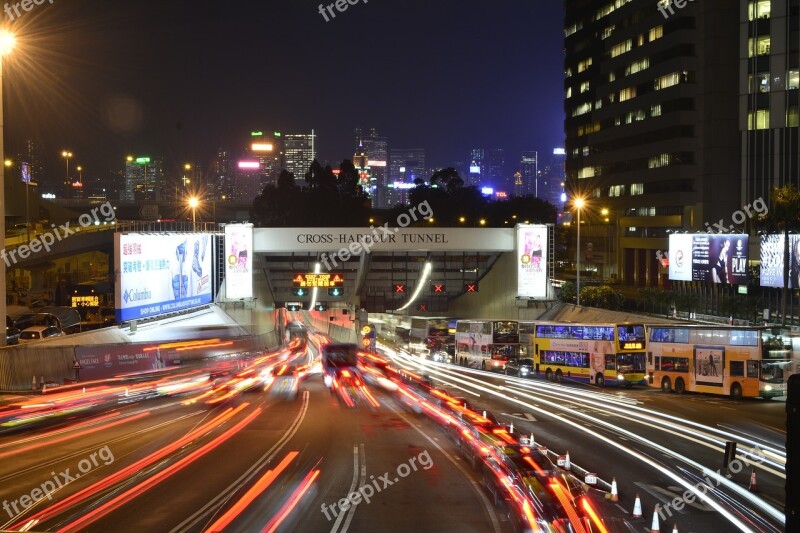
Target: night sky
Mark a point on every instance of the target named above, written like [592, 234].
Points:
[177, 79]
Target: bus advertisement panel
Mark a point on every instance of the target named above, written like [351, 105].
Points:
[736, 361]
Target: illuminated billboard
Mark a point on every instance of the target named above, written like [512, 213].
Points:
[249, 165]
[713, 258]
[531, 261]
[322, 281]
[239, 261]
[772, 261]
[158, 274]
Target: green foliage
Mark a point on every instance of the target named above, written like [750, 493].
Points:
[602, 296]
[566, 293]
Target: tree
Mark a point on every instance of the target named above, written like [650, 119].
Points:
[784, 216]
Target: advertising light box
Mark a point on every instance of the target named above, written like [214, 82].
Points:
[158, 274]
[772, 261]
[710, 257]
[532, 261]
[239, 261]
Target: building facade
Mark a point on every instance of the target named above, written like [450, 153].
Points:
[651, 125]
[299, 152]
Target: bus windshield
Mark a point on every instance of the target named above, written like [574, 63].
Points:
[630, 362]
[775, 371]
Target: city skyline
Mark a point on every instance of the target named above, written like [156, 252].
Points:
[82, 79]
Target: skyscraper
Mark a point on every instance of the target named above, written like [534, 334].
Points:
[144, 179]
[770, 110]
[377, 149]
[222, 175]
[405, 166]
[651, 127]
[267, 149]
[299, 153]
[487, 169]
[529, 175]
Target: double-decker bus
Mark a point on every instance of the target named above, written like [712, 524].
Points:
[596, 353]
[736, 361]
[425, 331]
[486, 344]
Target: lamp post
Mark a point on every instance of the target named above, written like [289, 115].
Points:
[66, 154]
[6, 45]
[193, 204]
[578, 206]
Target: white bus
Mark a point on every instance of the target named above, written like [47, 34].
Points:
[425, 330]
[486, 344]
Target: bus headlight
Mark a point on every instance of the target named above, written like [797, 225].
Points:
[768, 388]
[620, 377]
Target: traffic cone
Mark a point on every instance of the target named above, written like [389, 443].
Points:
[753, 482]
[567, 464]
[655, 528]
[614, 494]
[637, 508]
[675, 528]
[33, 383]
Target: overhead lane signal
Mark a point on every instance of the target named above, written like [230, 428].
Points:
[399, 288]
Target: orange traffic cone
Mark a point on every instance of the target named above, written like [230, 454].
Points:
[753, 481]
[614, 494]
[637, 508]
[655, 528]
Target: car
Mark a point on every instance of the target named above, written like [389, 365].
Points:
[36, 333]
[519, 367]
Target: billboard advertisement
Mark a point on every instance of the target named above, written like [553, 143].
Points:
[531, 261]
[239, 261]
[772, 261]
[103, 362]
[161, 273]
[713, 258]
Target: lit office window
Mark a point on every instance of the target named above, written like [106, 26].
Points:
[758, 46]
[758, 120]
[656, 33]
[627, 94]
[759, 9]
[621, 48]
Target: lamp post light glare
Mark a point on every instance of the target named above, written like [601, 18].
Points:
[193, 203]
[7, 42]
[579, 203]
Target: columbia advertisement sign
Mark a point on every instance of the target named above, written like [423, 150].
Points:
[238, 261]
[158, 274]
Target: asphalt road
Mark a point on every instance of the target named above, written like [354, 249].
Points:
[257, 463]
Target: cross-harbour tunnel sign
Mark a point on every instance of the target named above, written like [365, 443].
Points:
[384, 239]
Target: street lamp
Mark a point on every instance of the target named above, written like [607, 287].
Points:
[7, 42]
[66, 155]
[193, 202]
[80, 174]
[578, 203]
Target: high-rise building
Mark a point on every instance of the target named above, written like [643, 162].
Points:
[769, 110]
[144, 180]
[405, 166]
[487, 169]
[267, 148]
[527, 183]
[299, 153]
[32, 155]
[222, 175]
[651, 127]
[377, 149]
